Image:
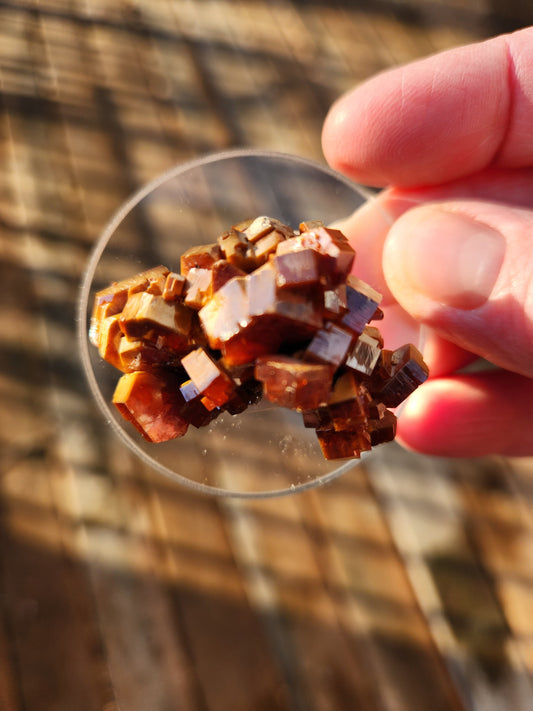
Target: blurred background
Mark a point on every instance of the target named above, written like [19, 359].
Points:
[405, 585]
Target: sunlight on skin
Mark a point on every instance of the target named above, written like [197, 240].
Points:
[466, 416]
[451, 242]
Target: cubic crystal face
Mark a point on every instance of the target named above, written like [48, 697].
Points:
[293, 383]
[262, 311]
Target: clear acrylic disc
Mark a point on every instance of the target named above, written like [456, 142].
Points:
[264, 451]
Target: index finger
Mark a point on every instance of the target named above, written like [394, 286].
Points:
[440, 118]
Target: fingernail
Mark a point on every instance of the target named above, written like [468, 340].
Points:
[451, 258]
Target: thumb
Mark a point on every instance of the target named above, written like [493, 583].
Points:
[465, 269]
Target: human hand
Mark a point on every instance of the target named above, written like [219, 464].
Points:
[452, 137]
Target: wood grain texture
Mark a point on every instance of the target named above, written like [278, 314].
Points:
[404, 586]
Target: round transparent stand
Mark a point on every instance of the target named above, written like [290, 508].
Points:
[264, 451]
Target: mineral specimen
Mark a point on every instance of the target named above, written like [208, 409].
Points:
[262, 311]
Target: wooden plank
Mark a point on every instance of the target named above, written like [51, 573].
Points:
[44, 593]
[278, 559]
[137, 598]
[452, 584]
[376, 592]
[326, 561]
[500, 527]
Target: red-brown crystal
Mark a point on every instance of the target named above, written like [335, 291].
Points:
[362, 302]
[199, 287]
[174, 286]
[208, 377]
[112, 299]
[292, 383]
[202, 257]
[345, 444]
[364, 354]
[408, 371]
[147, 316]
[143, 398]
[262, 311]
[330, 345]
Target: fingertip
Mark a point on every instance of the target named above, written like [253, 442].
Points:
[335, 135]
[437, 255]
[441, 355]
[419, 426]
[469, 416]
[367, 229]
[329, 136]
[444, 418]
[351, 131]
[464, 268]
[425, 123]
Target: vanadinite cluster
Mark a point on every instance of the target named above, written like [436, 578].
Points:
[264, 311]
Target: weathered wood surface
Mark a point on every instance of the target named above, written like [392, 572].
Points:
[404, 586]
